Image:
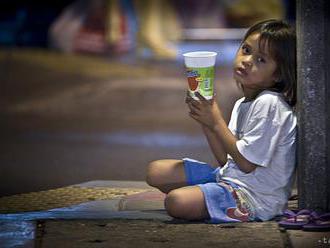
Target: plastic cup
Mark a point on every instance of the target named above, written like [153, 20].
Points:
[200, 73]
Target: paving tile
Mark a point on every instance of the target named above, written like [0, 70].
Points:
[146, 233]
[302, 239]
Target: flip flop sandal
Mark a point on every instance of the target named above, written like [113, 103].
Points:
[294, 197]
[319, 223]
[295, 219]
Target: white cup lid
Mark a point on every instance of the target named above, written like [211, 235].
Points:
[200, 54]
[200, 58]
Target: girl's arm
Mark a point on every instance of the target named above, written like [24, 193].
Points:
[229, 142]
[216, 146]
[208, 113]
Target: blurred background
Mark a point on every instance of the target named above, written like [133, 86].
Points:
[94, 90]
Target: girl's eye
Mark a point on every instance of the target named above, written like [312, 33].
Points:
[261, 60]
[245, 49]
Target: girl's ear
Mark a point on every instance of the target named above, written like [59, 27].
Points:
[276, 77]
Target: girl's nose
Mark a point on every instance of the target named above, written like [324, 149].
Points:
[247, 62]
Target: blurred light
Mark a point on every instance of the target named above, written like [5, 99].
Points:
[153, 139]
[214, 33]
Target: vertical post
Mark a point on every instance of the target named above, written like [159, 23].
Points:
[313, 52]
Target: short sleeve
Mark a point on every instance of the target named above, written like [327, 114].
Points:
[231, 125]
[233, 117]
[260, 139]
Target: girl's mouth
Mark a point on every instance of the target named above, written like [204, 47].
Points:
[240, 71]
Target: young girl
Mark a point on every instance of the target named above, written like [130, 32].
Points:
[256, 151]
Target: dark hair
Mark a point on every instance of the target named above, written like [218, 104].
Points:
[280, 38]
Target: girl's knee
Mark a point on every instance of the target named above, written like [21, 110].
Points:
[186, 204]
[174, 204]
[165, 174]
[152, 173]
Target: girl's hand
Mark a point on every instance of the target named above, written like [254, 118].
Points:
[206, 112]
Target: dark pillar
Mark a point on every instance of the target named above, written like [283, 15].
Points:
[313, 53]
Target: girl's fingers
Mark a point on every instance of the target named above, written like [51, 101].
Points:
[213, 98]
[188, 94]
[193, 109]
[188, 100]
[195, 104]
[194, 116]
[200, 97]
[192, 101]
[203, 99]
[189, 106]
[188, 97]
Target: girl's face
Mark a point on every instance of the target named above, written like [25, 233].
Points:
[254, 69]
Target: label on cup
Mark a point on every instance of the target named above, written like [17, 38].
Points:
[201, 80]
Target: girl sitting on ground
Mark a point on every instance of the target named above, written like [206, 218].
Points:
[255, 152]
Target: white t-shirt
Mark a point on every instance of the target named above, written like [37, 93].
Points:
[266, 135]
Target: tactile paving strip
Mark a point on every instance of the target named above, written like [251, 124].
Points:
[61, 197]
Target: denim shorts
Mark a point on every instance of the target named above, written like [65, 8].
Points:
[221, 199]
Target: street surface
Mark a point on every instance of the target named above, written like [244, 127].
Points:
[67, 119]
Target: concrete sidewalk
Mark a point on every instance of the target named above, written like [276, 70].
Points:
[135, 220]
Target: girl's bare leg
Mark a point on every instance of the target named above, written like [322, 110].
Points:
[166, 174]
[187, 203]
[182, 201]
